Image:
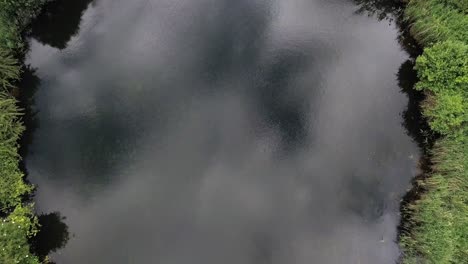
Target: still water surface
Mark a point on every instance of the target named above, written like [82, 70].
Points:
[219, 131]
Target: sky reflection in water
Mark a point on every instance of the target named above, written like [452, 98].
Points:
[220, 131]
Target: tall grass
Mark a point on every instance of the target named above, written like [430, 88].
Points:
[440, 215]
[435, 20]
[9, 70]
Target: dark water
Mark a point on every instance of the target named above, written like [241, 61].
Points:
[219, 131]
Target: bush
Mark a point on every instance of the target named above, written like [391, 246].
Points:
[443, 73]
[444, 66]
[446, 112]
[15, 230]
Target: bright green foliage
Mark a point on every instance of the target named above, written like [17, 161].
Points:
[444, 66]
[437, 20]
[20, 225]
[443, 73]
[446, 112]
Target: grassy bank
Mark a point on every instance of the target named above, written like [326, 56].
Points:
[436, 225]
[18, 223]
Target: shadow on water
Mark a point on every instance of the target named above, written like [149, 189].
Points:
[59, 22]
[53, 235]
[382, 9]
[28, 86]
[415, 124]
[391, 10]
[55, 26]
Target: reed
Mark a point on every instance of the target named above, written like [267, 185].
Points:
[432, 21]
[9, 70]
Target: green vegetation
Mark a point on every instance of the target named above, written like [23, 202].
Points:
[9, 70]
[443, 73]
[437, 228]
[18, 226]
[441, 213]
[14, 16]
[437, 20]
[18, 223]
[12, 186]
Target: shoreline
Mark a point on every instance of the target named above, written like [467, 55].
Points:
[434, 223]
[19, 224]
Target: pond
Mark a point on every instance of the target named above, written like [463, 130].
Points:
[218, 131]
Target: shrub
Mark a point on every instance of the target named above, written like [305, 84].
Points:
[443, 73]
[445, 112]
[15, 230]
[444, 66]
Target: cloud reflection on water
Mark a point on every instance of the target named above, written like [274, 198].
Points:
[217, 131]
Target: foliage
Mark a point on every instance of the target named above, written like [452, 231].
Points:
[18, 223]
[443, 73]
[445, 112]
[462, 5]
[437, 20]
[12, 186]
[444, 66]
[9, 70]
[438, 219]
[14, 16]
[15, 230]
